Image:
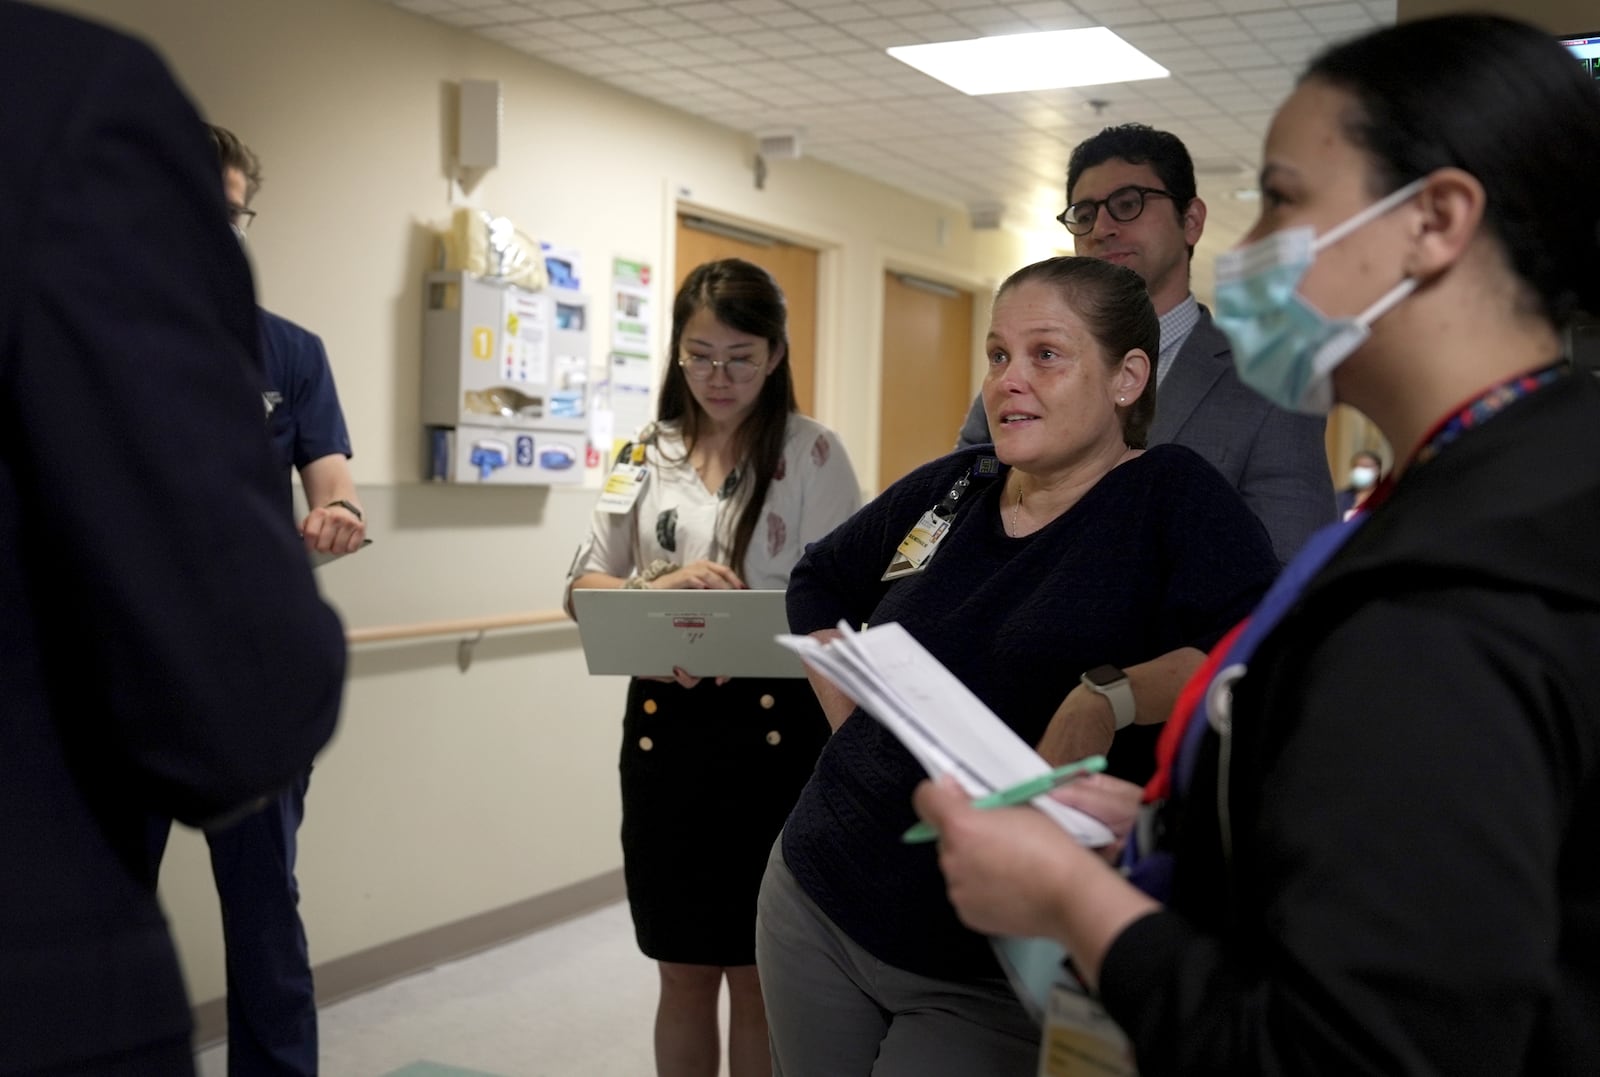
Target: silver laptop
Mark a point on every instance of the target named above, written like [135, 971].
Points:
[644, 633]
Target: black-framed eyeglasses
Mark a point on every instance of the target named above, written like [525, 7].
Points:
[241, 217]
[700, 367]
[1124, 204]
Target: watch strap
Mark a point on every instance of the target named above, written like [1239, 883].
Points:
[1119, 693]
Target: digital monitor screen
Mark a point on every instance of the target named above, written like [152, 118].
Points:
[1586, 47]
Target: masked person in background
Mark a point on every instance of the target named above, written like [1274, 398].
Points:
[1366, 468]
[1380, 799]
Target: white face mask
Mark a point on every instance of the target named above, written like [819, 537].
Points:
[1363, 477]
[1283, 347]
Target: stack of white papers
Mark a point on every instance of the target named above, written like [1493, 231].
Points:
[949, 731]
[938, 719]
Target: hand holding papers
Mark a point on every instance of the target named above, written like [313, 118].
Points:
[950, 731]
[936, 717]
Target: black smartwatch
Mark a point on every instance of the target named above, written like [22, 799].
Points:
[1112, 683]
[347, 506]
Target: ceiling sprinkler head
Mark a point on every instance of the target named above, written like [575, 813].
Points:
[1096, 105]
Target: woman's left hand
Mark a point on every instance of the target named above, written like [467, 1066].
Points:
[1083, 725]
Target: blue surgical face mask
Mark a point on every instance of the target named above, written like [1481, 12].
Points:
[1283, 347]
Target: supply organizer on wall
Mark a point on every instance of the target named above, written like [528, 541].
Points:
[505, 382]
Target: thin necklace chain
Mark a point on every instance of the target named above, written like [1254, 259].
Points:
[1016, 528]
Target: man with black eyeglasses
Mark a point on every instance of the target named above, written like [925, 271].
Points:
[1132, 200]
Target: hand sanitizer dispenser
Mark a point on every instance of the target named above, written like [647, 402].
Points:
[505, 394]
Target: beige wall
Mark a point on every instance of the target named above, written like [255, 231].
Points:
[446, 795]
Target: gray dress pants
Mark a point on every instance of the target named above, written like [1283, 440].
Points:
[834, 1010]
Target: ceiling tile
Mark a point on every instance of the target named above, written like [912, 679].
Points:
[563, 9]
[786, 20]
[632, 35]
[597, 23]
[789, 50]
[426, 7]
[708, 12]
[841, 14]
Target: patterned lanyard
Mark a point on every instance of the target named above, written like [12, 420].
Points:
[1485, 406]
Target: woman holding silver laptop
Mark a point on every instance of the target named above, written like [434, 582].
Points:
[724, 490]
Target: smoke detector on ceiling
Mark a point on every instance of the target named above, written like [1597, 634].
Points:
[779, 145]
[986, 216]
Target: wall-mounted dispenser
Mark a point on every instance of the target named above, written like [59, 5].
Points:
[505, 382]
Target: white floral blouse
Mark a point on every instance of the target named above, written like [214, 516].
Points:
[676, 519]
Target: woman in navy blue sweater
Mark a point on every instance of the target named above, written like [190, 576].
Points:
[1079, 549]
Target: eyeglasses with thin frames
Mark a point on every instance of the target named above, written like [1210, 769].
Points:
[241, 217]
[1124, 204]
[700, 368]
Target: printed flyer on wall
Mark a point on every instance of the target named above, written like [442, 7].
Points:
[631, 316]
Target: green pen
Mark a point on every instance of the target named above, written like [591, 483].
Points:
[1021, 793]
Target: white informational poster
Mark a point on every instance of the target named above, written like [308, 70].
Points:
[525, 354]
[631, 317]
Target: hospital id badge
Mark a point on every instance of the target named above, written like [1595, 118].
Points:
[625, 483]
[1081, 1039]
[918, 547]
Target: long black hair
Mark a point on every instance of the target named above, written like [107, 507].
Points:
[1505, 102]
[741, 296]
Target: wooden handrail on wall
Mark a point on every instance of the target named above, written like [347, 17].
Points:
[459, 626]
[471, 627]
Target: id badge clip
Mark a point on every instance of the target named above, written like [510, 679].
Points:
[1081, 1039]
[922, 541]
[919, 545]
[626, 482]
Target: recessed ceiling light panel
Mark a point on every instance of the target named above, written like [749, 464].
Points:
[1044, 61]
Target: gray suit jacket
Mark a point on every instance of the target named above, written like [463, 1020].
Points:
[1274, 458]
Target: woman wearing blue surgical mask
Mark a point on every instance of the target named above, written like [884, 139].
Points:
[1372, 839]
[1366, 468]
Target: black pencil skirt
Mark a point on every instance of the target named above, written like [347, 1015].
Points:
[709, 775]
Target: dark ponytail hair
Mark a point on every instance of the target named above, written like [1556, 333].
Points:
[1504, 102]
[742, 296]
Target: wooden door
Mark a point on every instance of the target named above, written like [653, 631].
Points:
[792, 266]
[927, 372]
